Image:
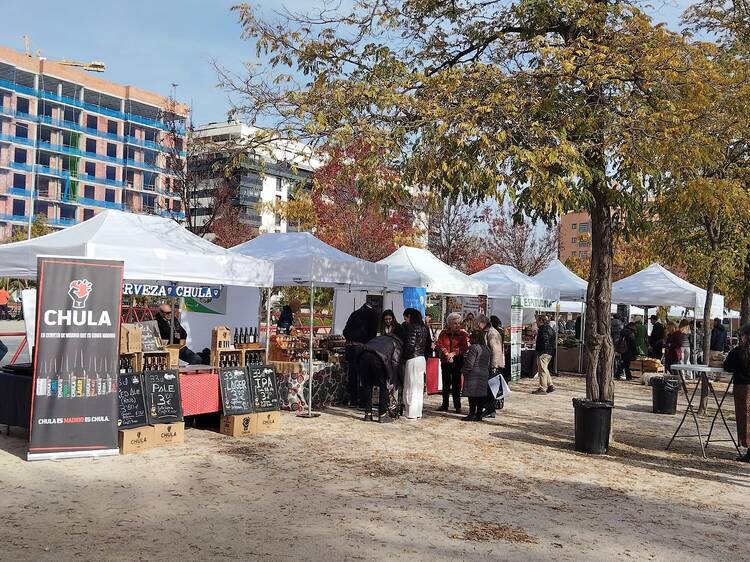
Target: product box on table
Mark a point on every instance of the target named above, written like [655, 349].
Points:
[136, 439]
[168, 433]
[131, 337]
[221, 338]
[268, 421]
[240, 425]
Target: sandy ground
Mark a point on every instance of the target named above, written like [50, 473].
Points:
[337, 488]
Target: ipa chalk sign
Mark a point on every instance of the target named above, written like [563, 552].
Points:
[263, 387]
[163, 396]
[235, 391]
[132, 401]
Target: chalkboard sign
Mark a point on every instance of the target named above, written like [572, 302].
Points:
[150, 340]
[131, 400]
[263, 388]
[235, 391]
[163, 396]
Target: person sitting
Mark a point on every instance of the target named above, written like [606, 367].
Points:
[379, 363]
[417, 347]
[476, 372]
[166, 321]
[286, 318]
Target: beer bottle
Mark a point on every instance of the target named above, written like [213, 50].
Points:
[236, 337]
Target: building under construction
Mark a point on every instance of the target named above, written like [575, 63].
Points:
[72, 144]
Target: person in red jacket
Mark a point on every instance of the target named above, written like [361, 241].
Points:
[452, 345]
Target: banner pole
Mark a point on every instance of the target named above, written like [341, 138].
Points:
[312, 324]
[268, 324]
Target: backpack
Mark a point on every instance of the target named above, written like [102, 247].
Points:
[622, 345]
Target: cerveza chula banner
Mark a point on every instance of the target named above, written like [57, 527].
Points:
[74, 398]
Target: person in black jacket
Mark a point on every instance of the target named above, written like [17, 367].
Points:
[627, 347]
[417, 348]
[165, 322]
[379, 363]
[361, 327]
[738, 363]
[718, 336]
[545, 349]
[657, 338]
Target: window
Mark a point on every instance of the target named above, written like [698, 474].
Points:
[43, 159]
[112, 127]
[574, 226]
[22, 105]
[91, 122]
[109, 195]
[42, 186]
[20, 156]
[45, 134]
[574, 240]
[89, 192]
[277, 218]
[71, 114]
[149, 135]
[45, 109]
[177, 205]
[149, 203]
[111, 173]
[278, 184]
[584, 227]
[112, 150]
[22, 130]
[19, 181]
[91, 146]
[88, 213]
[130, 178]
[19, 207]
[573, 254]
[583, 254]
[41, 208]
[90, 169]
[67, 212]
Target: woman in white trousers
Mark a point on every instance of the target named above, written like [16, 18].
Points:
[417, 346]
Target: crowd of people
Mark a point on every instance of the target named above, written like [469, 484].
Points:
[391, 356]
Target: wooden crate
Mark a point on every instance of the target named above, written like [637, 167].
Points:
[161, 354]
[216, 356]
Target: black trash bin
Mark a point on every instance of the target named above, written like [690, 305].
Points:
[664, 391]
[593, 420]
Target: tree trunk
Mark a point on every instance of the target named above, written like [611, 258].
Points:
[598, 348]
[745, 308]
[707, 329]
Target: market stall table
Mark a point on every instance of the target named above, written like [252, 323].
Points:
[703, 371]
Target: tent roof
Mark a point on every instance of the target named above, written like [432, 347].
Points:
[505, 281]
[571, 286]
[299, 258]
[153, 249]
[657, 286]
[415, 267]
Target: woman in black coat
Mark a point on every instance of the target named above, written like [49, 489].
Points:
[738, 363]
[476, 372]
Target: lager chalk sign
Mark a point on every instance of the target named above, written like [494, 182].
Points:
[163, 396]
[132, 401]
[263, 388]
[74, 403]
[235, 391]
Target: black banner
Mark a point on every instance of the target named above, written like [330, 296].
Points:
[74, 403]
[235, 391]
[132, 401]
[163, 398]
[263, 388]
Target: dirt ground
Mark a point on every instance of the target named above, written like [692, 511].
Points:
[337, 488]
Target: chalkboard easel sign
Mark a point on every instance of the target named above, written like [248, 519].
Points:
[235, 391]
[163, 396]
[131, 401]
[263, 387]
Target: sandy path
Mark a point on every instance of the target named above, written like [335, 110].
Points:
[336, 488]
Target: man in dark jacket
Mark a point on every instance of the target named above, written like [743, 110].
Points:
[615, 329]
[545, 349]
[380, 363]
[718, 336]
[360, 328]
[657, 337]
[628, 350]
[166, 322]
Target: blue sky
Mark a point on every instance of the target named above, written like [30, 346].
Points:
[154, 43]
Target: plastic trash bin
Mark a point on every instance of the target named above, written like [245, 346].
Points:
[664, 391]
[592, 424]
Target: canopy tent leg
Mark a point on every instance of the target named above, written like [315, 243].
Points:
[309, 413]
[442, 313]
[694, 351]
[557, 335]
[268, 324]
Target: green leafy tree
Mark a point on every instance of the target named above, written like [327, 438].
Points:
[558, 104]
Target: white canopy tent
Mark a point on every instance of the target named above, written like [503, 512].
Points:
[301, 259]
[153, 248]
[657, 286]
[571, 287]
[411, 267]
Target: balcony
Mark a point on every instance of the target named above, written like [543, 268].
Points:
[148, 167]
[98, 203]
[16, 192]
[16, 140]
[178, 215]
[62, 222]
[13, 218]
[84, 105]
[64, 149]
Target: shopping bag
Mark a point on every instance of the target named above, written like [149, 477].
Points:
[434, 376]
[495, 385]
[506, 388]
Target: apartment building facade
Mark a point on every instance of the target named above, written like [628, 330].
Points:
[73, 144]
[262, 176]
[575, 235]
